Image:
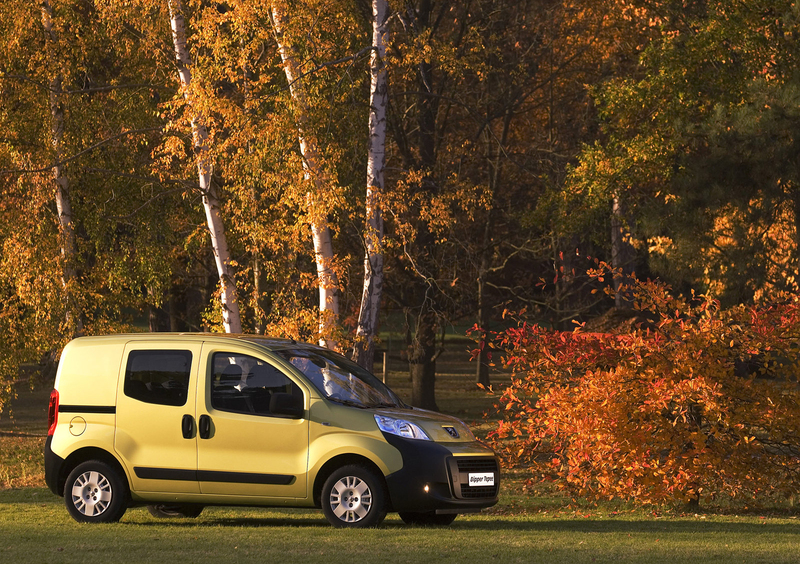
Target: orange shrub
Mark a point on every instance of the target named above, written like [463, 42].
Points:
[695, 401]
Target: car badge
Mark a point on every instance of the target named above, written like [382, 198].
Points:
[452, 432]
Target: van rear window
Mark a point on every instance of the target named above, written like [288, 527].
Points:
[160, 377]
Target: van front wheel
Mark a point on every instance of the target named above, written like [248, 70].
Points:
[96, 493]
[353, 496]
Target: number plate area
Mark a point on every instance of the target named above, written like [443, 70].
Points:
[475, 477]
[482, 479]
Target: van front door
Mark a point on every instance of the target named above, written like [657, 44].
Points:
[243, 448]
[156, 430]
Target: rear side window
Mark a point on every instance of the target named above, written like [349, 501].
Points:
[160, 377]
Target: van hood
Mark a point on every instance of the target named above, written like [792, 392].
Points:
[440, 428]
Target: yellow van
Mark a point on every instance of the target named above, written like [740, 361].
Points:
[181, 421]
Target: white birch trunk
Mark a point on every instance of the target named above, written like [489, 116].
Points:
[230, 306]
[364, 350]
[65, 219]
[320, 232]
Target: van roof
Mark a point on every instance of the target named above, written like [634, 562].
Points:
[270, 343]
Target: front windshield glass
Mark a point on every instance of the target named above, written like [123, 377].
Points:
[340, 379]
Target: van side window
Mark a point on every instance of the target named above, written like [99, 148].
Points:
[245, 384]
[160, 377]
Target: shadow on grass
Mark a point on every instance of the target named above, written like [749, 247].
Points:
[234, 523]
[661, 527]
[671, 525]
[304, 518]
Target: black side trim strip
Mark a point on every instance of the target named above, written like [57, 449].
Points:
[244, 478]
[212, 476]
[165, 474]
[87, 409]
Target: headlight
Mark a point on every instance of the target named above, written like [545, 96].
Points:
[401, 428]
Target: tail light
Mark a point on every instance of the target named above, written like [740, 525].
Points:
[52, 413]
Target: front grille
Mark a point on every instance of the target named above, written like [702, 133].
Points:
[461, 468]
[484, 464]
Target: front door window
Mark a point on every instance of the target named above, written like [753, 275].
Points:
[244, 384]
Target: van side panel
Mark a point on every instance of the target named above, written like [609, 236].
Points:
[87, 374]
[75, 431]
[87, 386]
[340, 430]
[387, 458]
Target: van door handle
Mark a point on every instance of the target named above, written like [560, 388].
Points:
[204, 427]
[187, 426]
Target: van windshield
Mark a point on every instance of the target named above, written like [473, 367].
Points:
[341, 380]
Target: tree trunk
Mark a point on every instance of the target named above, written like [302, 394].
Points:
[487, 249]
[364, 349]
[622, 257]
[68, 244]
[482, 370]
[422, 361]
[230, 306]
[320, 232]
[422, 353]
[796, 208]
[173, 311]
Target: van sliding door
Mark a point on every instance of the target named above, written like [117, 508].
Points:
[156, 431]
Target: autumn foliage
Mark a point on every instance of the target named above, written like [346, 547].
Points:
[689, 402]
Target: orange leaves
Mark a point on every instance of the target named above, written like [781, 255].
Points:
[705, 403]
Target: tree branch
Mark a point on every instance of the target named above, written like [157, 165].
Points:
[81, 153]
[90, 90]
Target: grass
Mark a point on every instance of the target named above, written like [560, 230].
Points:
[530, 524]
[34, 527]
[21, 463]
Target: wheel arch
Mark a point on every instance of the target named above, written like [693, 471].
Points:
[89, 453]
[345, 460]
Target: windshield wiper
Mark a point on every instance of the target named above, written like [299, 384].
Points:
[348, 402]
[385, 404]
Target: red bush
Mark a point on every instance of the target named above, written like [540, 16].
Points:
[693, 401]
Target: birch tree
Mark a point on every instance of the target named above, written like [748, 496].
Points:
[313, 173]
[211, 204]
[61, 180]
[364, 349]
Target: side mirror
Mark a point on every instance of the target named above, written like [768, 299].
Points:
[286, 405]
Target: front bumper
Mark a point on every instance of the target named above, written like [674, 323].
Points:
[434, 480]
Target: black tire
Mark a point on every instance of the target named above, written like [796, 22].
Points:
[175, 510]
[354, 497]
[428, 518]
[96, 492]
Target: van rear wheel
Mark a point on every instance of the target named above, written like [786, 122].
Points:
[355, 497]
[96, 493]
[173, 510]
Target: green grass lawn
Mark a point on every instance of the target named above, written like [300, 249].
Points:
[529, 525]
[34, 527]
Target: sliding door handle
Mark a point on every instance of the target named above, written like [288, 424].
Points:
[187, 426]
[204, 427]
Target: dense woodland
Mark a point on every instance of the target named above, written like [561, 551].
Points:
[313, 168]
